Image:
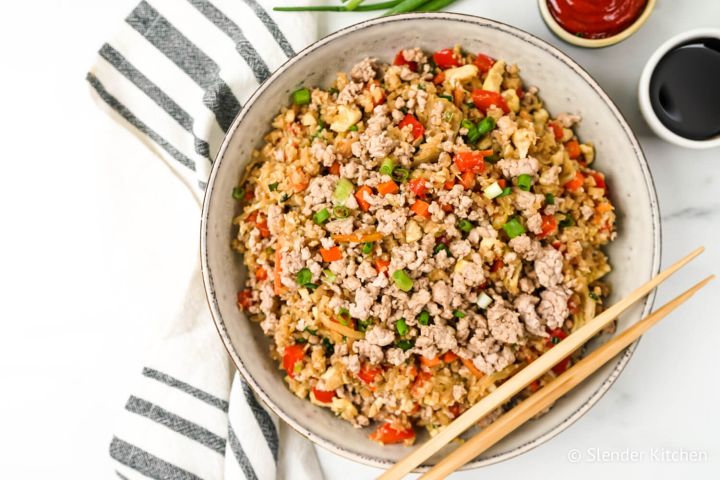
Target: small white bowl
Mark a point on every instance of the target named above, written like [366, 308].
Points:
[644, 90]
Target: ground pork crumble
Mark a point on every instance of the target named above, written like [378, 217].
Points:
[418, 232]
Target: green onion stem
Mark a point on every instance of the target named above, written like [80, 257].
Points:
[405, 6]
[435, 5]
[331, 8]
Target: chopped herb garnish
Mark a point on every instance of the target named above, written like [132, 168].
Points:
[449, 98]
[328, 346]
[402, 327]
[404, 344]
[330, 275]
[465, 225]
[310, 286]
[387, 166]
[424, 318]
[555, 340]
[311, 331]
[458, 314]
[400, 174]
[506, 191]
[238, 193]
[439, 248]
[524, 182]
[550, 199]
[402, 280]
[568, 221]
[285, 197]
[594, 296]
[363, 325]
[341, 211]
[492, 158]
[333, 90]
[368, 248]
[321, 216]
[513, 227]
[300, 340]
[353, 128]
[273, 186]
[301, 96]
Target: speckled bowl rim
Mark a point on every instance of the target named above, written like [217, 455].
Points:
[563, 34]
[624, 357]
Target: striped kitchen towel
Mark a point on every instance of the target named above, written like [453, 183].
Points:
[176, 74]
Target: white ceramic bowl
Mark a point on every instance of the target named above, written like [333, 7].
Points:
[644, 90]
[564, 86]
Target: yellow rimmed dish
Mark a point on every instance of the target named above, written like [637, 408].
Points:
[573, 39]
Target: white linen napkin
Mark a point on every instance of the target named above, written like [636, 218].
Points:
[176, 74]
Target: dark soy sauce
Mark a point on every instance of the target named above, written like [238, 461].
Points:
[685, 89]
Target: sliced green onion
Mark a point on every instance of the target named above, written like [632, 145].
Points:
[424, 318]
[524, 182]
[439, 248]
[343, 190]
[330, 275]
[311, 331]
[448, 116]
[300, 340]
[238, 193]
[550, 199]
[493, 190]
[402, 280]
[353, 4]
[568, 221]
[484, 300]
[458, 314]
[465, 225]
[387, 166]
[474, 135]
[285, 197]
[593, 296]
[353, 128]
[449, 98]
[368, 248]
[486, 125]
[513, 227]
[304, 277]
[310, 286]
[341, 211]
[321, 216]
[404, 344]
[400, 174]
[506, 191]
[344, 316]
[301, 96]
[467, 124]
[401, 327]
[273, 186]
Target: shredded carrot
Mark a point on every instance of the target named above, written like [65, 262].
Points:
[331, 254]
[335, 169]
[277, 283]
[421, 207]
[603, 207]
[450, 357]
[429, 362]
[358, 237]
[387, 187]
[261, 274]
[471, 366]
[360, 195]
[381, 265]
[573, 149]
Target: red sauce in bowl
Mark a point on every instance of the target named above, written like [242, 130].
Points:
[596, 18]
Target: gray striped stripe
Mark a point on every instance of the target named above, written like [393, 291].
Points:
[117, 60]
[146, 463]
[120, 475]
[240, 455]
[121, 109]
[263, 419]
[176, 423]
[188, 57]
[231, 29]
[189, 389]
[272, 27]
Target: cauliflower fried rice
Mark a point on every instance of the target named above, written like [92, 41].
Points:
[416, 234]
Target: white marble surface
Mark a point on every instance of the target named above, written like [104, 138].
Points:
[97, 235]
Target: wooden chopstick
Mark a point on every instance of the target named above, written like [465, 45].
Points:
[525, 376]
[546, 396]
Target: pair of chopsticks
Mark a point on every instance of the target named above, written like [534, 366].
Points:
[550, 392]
